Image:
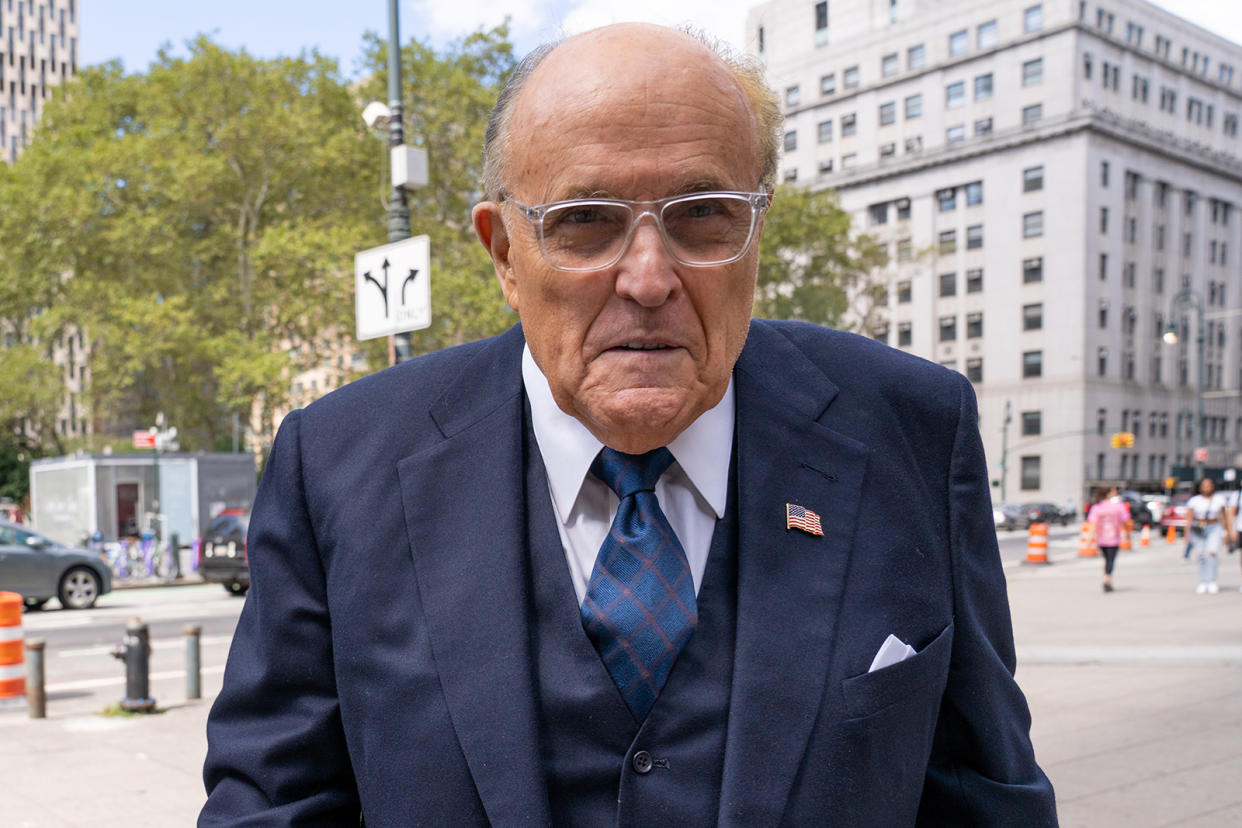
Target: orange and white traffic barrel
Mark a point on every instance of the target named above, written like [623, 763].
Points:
[1037, 544]
[12, 652]
[1086, 541]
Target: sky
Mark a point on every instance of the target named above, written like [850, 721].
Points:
[134, 30]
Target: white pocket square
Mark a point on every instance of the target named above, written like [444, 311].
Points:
[892, 651]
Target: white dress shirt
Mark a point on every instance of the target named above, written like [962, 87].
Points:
[693, 492]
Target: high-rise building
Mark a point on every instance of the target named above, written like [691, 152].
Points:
[1057, 182]
[38, 50]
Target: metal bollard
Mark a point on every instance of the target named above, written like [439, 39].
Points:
[36, 696]
[135, 651]
[193, 662]
[174, 549]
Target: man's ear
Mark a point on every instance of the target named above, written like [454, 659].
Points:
[491, 231]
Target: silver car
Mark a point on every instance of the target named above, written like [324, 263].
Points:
[39, 568]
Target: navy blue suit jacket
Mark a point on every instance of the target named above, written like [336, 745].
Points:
[382, 662]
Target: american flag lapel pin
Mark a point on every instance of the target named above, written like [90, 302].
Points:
[800, 517]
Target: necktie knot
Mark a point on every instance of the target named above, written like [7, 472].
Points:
[627, 474]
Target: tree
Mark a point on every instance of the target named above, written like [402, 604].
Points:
[208, 211]
[812, 267]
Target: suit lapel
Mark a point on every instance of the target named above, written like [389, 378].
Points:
[789, 582]
[464, 511]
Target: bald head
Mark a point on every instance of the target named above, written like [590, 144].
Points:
[633, 59]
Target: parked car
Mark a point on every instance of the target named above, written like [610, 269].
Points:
[222, 553]
[1008, 516]
[1140, 512]
[1176, 512]
[1043, 513]
[39, 569]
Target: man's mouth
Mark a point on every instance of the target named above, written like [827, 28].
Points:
[643, 346]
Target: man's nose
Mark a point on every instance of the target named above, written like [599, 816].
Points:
[645, 272]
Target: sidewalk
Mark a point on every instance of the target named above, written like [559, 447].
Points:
[1136, 697]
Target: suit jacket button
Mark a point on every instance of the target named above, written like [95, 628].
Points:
[641, 762]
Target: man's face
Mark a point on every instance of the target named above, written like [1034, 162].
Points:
[636, 351]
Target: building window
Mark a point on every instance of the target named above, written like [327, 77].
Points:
[888, 150]
[948, 328]
[1103, 219]
[1103, 313]
[983, 126]
[1031, 423]
[791, 140]
[958, 43]
[821, 23]
[1086, 65]
[903, 291]
[888, 113]
[878, 213]
[1032, 179]
[914, 106]
[792, 95]
[985, 35]
[1033, 224]
[825, 167]
[974, 369]
[1030, 473]
[974, 193]
[903, 210]
[1032, 364]
[889, 65]
[1032, 113]
[974, 280]
[983, 87]
[1103, 267]
[914, 144]
[823, 131]
[1032, 270]
[791, 175]
[974, 325]
[974, 237]
[849, 124]
[904, 335]
[881, 333]
[1033, 72]
[1138, 88]
[948, 284]
[849, 78]
[955, 95]
[849, 161]
[1101, 360]
[905, 250]
[828, 83]
[955, 133]
[1103, 173]
[1033, 19]
[916, 57]
[947, 199]
[1033, 317]
[948, 241]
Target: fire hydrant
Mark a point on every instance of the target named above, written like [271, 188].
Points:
[135, 651]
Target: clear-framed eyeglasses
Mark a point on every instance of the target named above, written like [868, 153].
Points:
[698, 229]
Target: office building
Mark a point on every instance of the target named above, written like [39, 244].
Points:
[1057, 183]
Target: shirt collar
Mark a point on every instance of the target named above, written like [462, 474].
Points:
[703, 450]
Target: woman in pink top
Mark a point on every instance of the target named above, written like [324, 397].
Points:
[1109, 517]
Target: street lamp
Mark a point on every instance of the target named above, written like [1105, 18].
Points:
[1191, 297]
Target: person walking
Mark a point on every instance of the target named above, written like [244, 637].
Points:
[1208, 527]
[1108, 518]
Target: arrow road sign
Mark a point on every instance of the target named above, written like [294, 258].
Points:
[392, 288]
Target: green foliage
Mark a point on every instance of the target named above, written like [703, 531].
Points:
[448, 97]
[811, 267]
[14, 469]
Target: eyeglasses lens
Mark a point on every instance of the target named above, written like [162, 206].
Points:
[699, 230]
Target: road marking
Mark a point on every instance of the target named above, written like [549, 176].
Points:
[87, 684]
[156, 644]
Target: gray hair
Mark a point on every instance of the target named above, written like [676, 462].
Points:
[745, 69]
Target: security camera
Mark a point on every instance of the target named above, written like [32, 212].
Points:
[377, 115]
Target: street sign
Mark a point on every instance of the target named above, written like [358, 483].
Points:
[392, 288]
[144, 439]
[1201, 455]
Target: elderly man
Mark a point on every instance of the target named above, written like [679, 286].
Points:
[640, 560]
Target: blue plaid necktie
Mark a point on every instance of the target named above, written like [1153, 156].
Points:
[640, 608]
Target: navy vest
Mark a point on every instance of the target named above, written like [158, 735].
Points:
[602, 767]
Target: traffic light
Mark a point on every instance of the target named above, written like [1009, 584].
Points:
[1122, 439]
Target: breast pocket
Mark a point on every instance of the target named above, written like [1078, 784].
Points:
[921, 674]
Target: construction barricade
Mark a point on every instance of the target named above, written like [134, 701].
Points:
[1037, 544]
[1087, 547]
[12, 652]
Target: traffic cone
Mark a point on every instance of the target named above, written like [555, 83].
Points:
[1037, 544]
[1171, 535]
[1125, 535]
[1145, 537]
[1086, 541]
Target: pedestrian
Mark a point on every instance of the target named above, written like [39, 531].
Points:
[1108, 517]
[1233, 505]
[1207, 532]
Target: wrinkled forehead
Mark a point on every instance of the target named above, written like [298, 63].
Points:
[630, 93]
